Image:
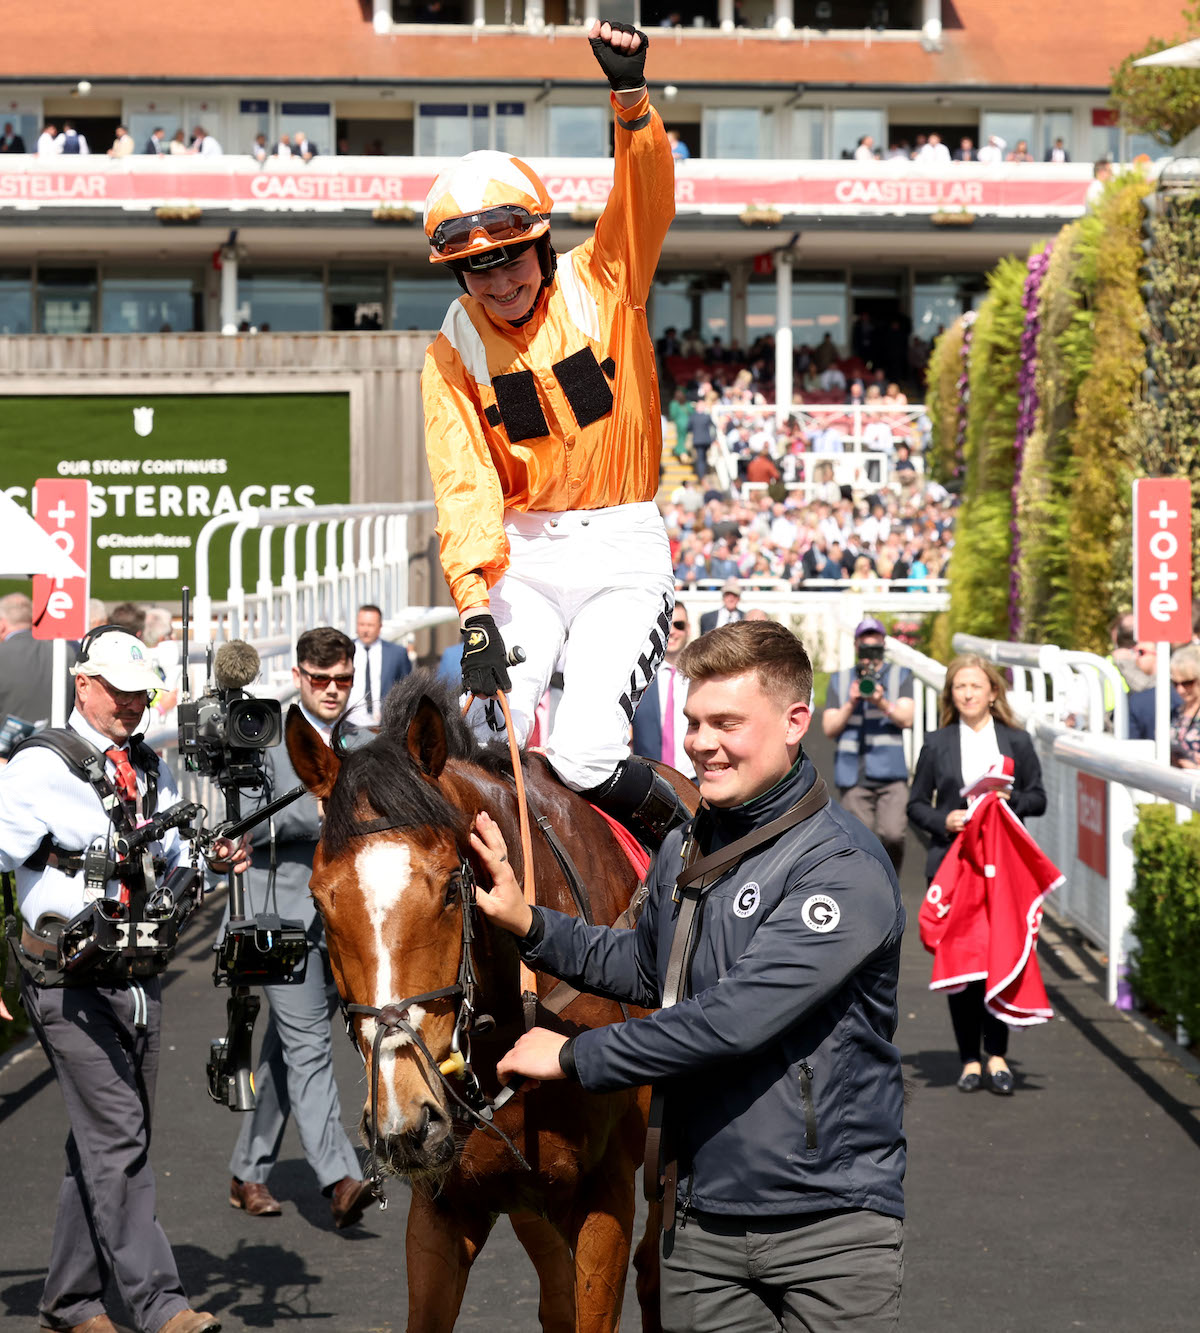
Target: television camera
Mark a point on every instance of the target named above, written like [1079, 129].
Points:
[224, 735]
[868, 667]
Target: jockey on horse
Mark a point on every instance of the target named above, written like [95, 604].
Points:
[543, 437]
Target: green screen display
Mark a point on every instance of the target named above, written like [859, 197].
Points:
[161, 466]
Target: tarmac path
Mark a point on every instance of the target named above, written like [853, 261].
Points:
[1072, 1205]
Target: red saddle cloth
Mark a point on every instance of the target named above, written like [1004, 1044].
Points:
[639, 857]
[981, 914]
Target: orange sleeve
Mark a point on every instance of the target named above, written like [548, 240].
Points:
[633, 226]
[466, 487]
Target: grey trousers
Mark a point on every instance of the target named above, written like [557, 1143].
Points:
[816, 1274]
[295, 1074]
[106, 1064]
[884, 810]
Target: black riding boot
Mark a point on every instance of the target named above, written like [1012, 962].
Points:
[642, 800]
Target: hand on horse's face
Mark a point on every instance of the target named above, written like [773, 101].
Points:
[505, 904]
[535, 1056]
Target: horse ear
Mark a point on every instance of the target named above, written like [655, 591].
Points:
[315, 763]
[427, 738]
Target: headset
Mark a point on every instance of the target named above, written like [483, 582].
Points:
[93, 634]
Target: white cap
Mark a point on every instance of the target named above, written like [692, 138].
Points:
[122, 660]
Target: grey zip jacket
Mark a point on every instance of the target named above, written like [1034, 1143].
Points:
[783, 1090]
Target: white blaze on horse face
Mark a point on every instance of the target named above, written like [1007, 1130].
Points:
[384, 872]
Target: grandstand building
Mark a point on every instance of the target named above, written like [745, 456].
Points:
[778, 225]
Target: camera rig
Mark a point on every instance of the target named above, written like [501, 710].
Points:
[224, 735]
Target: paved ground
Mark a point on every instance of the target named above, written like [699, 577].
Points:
[1071, 1206]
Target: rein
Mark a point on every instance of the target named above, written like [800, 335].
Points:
[392, 1018]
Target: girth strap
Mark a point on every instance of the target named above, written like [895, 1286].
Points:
[659, 1177]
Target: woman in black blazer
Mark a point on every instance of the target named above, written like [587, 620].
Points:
[977, 726]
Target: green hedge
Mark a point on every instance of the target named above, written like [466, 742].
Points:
[1166, 907]
[979, 571]
[941, 398]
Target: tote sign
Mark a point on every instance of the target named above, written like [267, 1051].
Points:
[1162, 559]
[60, 605]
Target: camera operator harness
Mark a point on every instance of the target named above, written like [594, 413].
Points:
[112, 939]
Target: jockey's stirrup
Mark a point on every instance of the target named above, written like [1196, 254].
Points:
[643, 800]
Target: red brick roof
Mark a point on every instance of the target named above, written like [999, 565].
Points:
[1019, 43]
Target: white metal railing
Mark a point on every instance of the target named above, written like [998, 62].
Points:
[1052, 685]
[857, 440]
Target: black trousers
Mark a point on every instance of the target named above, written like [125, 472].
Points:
[972, 1021]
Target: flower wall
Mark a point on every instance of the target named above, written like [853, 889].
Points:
[1038, 417]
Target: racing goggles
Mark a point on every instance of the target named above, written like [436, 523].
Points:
[504, 222]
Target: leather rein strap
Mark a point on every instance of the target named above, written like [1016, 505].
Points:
[659, 1179]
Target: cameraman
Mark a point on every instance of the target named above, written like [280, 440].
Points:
[295, 1064]
[100, 1031]
[869, 766]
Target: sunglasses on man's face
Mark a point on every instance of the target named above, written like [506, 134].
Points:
[679, 624]
[322, 681]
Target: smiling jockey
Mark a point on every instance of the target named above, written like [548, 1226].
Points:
[543, 436]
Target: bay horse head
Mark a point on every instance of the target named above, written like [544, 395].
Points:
[394, 882]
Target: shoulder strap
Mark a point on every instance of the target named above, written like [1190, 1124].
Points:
[86, 762]
[659, 1179]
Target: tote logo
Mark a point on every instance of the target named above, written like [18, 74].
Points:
[143, 420]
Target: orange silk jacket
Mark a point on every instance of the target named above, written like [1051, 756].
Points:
[563, 412]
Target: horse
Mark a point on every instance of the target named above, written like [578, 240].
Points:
[415, 963]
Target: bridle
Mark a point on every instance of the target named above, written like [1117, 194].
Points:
[474, 1105]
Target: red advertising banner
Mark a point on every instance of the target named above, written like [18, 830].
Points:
[60, 605]
[337, 184]
[1091, 820]
[1162, 559]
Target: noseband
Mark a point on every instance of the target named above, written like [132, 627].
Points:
[393, 1018]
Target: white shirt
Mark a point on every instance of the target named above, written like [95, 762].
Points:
[48, 145]
[980, 750]
[323, 729]
[209, 147]
[356, 707]
[864, 154]
[39, 794]
[990, 152]
[662, 682]
[936, 153]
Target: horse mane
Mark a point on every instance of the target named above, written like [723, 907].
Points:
[384, 772]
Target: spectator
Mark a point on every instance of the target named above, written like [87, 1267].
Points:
[130, 616]
[965, 152]
[295, 1063]
[1125, 653]
[123, 143]
[10, 140]
[659, 724]
[870, 769]
[179, 145]
[729, 612]
[303, 147]
[259, 150]
[1057, 152]
[26, 665]
[1020, 153]
[1143, 717]
[378, 665]
[679, 410]
[865, 151]
[156, 144]
[703, 432]
[204, 144]
[47, 144]
[826, 354]
[934, 151]
[761, 469]
[679, 150]
[97, 613]
[1101, 174]
[284, 147]
[668, 345]
[993, 150]
[1185, 717]
[71, 142]
[977, 728]
[164, 657]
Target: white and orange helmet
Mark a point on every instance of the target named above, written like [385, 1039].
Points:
[482, 207]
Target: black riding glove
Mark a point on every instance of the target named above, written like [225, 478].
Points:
[625, 70]
[484, 667]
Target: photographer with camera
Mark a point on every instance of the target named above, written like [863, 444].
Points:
[71, 802]
[867, 708]
[295, 1064]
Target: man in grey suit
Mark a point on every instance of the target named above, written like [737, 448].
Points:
[295, 1066]
[729, 611]
[26, 664]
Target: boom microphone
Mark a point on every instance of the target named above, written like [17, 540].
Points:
[235, 665]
